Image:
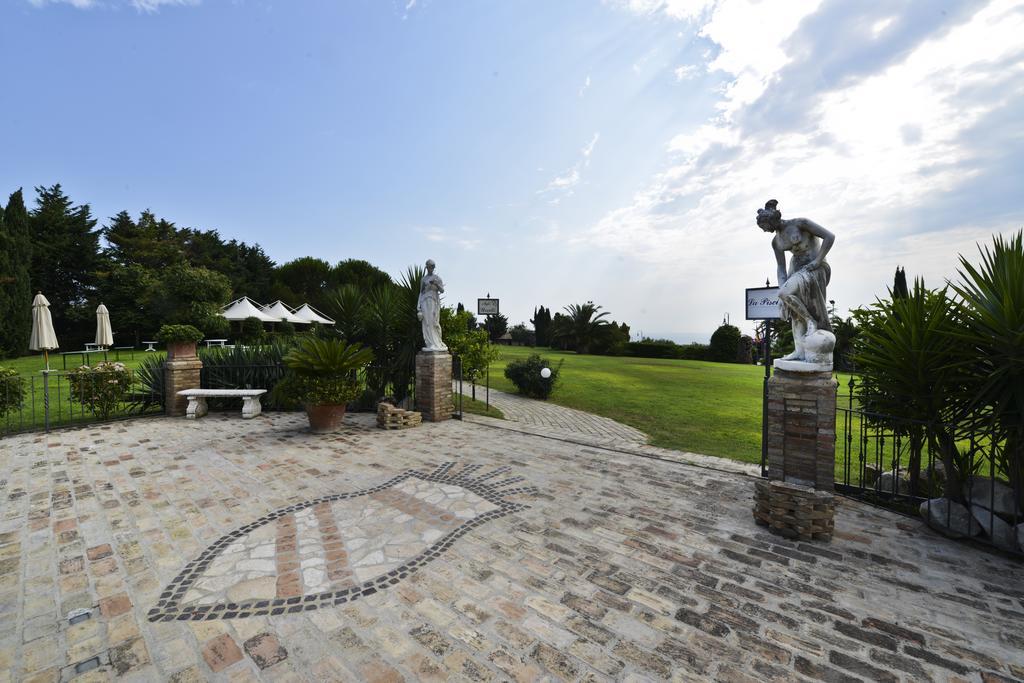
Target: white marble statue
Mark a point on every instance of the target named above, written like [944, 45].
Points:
[428, 309]
[802, 287]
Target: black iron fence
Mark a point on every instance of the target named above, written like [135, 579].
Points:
[962, 483]
[48, 400]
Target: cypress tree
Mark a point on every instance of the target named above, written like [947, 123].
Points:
[15, 286]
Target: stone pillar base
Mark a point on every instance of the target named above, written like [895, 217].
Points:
[434, 385]
[180, 373]
[802, 428]
[793, 511]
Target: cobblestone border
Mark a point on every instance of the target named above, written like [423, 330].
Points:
[169, 606]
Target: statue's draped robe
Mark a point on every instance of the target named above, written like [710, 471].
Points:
[430, 306]
[810, 288]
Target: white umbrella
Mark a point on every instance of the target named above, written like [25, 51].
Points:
[104, 336]
[43, 337]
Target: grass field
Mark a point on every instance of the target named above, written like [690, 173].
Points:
[711, 408]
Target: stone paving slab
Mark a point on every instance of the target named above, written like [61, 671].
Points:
[551, 417]
[610, 567]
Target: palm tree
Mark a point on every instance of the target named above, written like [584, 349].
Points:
[992, 310]
[586, 324]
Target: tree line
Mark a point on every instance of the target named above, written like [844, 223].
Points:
[147, 270]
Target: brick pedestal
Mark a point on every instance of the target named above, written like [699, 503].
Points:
[434, 385]
[180, 373]
[802, 428]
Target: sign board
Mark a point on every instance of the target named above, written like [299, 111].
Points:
[487, 307]
[763, 304]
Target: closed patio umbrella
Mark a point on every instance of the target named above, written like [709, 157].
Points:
[43, 337]
[104, 336]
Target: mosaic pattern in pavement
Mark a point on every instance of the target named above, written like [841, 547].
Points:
[337, 549]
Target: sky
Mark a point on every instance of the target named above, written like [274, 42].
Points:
[545, 153]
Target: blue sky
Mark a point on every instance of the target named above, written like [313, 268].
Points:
[544, 152]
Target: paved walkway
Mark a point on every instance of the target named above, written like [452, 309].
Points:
[552, 417]
[231, 550]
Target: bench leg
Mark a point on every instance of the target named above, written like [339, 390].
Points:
[196, 407]
[251, 407]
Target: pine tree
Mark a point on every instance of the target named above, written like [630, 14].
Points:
[16, 289]
[65, 262]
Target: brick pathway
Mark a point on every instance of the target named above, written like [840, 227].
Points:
[551, 417]
[621, 567]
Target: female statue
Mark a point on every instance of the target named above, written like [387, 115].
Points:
[428, 309]
[802, 286]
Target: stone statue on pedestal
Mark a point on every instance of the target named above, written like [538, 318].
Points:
[802, 287]
[428, 309]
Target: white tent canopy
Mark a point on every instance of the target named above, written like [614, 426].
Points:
[311, 315]
[280, 312]
[243, 308]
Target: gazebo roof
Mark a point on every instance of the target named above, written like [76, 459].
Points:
[280, 311]
[243, 308]
[311, 315]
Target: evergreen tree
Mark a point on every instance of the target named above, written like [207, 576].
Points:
[725, 343]
[65, 262]
[542, 325]
[15, 285]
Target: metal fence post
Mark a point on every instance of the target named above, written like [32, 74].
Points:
[46, 400]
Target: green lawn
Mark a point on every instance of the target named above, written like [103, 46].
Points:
[712, 408]
[63, 410]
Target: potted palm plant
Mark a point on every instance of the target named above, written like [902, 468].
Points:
[322, 376]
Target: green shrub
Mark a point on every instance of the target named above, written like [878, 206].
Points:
[724, 344]
[525, 374]
[12, 391]
[245, 367]
[252, 330]
[101, 388]
[285, 329]
[652, 349]
[178, 334]
[322, 372]
[149, 376]
[214, 327]
[692, 351]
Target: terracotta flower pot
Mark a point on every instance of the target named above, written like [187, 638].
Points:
[181, 349]
[325, 418]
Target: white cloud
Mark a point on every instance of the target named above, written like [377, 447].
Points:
[585, 87]
[140, 5]
[876, 157]
[565, 183]
[462, 236]
[675, 9]
[686, 72]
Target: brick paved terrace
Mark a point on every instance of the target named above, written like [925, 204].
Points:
[230, 550]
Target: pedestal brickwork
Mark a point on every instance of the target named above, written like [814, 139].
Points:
[802, 428]
[180, 373]
[434, 385]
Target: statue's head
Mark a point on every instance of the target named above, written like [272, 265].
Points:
[769, 218]
[430, 265]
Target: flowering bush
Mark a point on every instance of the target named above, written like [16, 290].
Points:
[100, 387]
[12, 390]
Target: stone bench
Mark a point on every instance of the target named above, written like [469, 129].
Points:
[251, 406]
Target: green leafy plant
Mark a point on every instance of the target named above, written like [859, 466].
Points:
[245, 367]
[908, 359]
[101, 387]
[252, 330]
[526, 376]
[12, 390]
[322, 372]
[992, 313]
[179, 334]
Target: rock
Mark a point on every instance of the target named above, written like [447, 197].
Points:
[949, 518]
[888, 481]
[1001, 534]
[982, 491]
[870, 475]
[935, 474]
[1020, 535]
